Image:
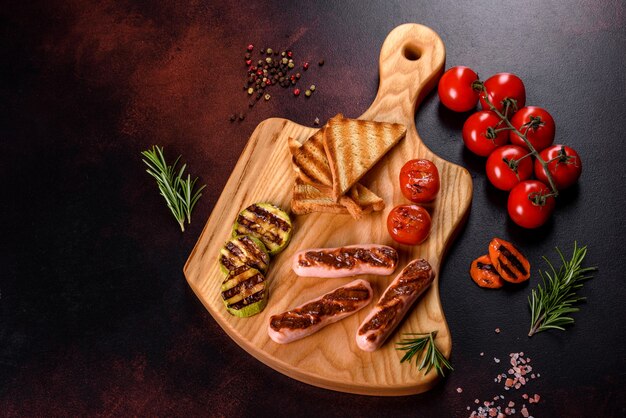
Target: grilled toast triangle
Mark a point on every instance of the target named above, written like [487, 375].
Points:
[354, 146]
[310, 161]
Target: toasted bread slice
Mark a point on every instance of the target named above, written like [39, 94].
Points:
[309, 159]
[354, 146]
[365, 197]
[307, 199]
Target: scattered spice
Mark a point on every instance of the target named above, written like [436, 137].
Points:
[307, 93]
[320, 63]
[515, 378]
[274, 68]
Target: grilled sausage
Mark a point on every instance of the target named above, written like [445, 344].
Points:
[314, 315]
[346, 261]
[394, 304]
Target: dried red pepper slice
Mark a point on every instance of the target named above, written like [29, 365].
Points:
[484, 273]
[508, 261]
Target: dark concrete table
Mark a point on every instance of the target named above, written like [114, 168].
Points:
[95, 314]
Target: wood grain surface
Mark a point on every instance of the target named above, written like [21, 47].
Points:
[411, 61]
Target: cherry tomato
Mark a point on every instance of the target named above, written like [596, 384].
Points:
[500, 174]
[408, 224]
[528, 206]
[565, 166]
[455, 89]
[538, 126]
[419, 181]
[504, 86]
[479, 133]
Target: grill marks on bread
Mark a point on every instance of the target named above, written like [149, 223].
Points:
[354, 146]
[327, 181]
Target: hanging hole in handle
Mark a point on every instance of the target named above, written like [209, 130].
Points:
[411, 52]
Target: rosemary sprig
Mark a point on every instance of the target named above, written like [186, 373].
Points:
[551, 303]
[424, 347]
[176, 190]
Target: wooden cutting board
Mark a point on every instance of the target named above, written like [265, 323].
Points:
[411, 61]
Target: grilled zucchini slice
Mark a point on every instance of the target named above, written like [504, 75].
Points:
[244, 291]
[244, 250]
[266, 222]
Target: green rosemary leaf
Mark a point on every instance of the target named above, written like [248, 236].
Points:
[177, 191]
[423, 347]
[553, 300]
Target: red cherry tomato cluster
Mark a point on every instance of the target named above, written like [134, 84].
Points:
[530, 130]
[419, 182]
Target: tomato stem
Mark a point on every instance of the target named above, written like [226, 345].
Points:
[508, 102]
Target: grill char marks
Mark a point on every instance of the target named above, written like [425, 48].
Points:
[269, 217]
[267, 223]
[348, 257]
[346, 261]
[484, 274]
[513, 260]
[393, 304]
[244, 291]
[508, 261]
[244, 250]
[312, 316]
[354, 146]
[311, 161]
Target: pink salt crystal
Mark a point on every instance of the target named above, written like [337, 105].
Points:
[537, 397]
[511, 404]
[532, 375]
[522, 380]
[507, 411]
[525, 396]
[524, 412]
[509, 382]
[497, 330]
[459, 390]
[501, 415]
[482, 353]
[468, 408]
[521, 353]
[476, 401]
[493, 412]
[518, 385]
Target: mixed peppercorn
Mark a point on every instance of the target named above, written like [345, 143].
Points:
[277, 68]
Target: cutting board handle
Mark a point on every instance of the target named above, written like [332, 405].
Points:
[412, 59]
